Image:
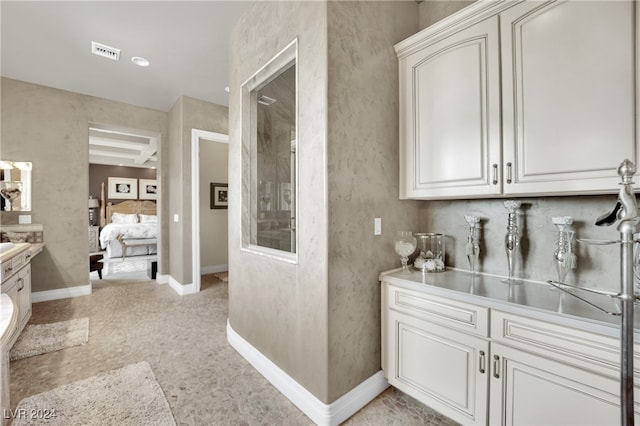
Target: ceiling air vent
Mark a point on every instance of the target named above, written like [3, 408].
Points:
[105, 51]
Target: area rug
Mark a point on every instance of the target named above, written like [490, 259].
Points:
[222, 276]
[37, 339]
[127, 396]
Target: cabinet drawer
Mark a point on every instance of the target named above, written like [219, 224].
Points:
[450, 313]
[6, 269]
[567, 343]
[18, 261]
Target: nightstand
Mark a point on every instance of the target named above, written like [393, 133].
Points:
[94, 238]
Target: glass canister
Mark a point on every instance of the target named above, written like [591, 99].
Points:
[432, 252]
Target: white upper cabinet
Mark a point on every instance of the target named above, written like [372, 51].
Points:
[450, 115]
[519, 98]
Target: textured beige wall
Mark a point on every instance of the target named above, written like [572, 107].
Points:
[320, 320]
[214, 230]
[187, 114]
[50, 128]
[174, 166]
[279, 307]
[363, 178]
[432, 11]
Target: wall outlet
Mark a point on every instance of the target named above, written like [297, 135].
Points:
[24, 219]
[377, 226]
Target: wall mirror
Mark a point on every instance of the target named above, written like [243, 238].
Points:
[15, 185]
[269, 116]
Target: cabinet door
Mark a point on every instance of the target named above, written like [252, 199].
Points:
[527, 389]
[440, 367]
[568, 75]
[450, 116]
[24, 295]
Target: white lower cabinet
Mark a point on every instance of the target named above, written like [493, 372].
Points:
[538, 390]
[437, 351]
[519, 371]
[445, 369]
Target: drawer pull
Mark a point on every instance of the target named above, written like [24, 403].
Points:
[27, 256]
[496, 366]
[482, 362]
[494, 179]
[509, 180]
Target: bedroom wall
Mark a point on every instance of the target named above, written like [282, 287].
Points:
[50, 128]
[214, 160]
[186, 114]
[99, 173]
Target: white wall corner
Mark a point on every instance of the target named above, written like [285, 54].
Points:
[319, 412]
[181, 289]
[61, 293]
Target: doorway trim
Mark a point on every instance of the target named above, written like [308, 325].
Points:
[196, 135]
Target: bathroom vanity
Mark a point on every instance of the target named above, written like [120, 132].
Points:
[15, 304]
[482, 351]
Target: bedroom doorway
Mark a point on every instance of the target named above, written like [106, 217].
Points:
[209, 180]
[130, 157]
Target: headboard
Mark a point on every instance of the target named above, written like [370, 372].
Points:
[131, 207]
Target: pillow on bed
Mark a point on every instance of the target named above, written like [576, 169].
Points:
[148, 218]
[121, 218]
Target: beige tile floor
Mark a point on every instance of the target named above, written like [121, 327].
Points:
[184, 340]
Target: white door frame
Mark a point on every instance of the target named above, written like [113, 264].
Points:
[196, 135]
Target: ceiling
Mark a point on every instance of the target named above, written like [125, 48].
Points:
[186, 42]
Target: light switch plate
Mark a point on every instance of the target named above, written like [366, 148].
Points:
[24, 219]
[176, 218]
[377, 226]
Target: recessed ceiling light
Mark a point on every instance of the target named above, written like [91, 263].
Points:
[140, 61]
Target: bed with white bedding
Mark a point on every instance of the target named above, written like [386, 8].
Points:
[130, 220]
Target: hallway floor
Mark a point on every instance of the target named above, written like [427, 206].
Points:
[205, 381]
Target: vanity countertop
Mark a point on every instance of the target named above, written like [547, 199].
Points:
[532, 298]
[15, 250]
[34, 248]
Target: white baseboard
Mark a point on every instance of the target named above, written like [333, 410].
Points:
[162, 278]
[61, 293]
[181, 289]
[319, 412]
[212, 269]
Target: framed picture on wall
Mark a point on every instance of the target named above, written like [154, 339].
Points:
[123, 188]
[219, 195]
[148, 189]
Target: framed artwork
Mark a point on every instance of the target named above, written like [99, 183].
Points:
[123, 188]
[148, 189]
[219, 195]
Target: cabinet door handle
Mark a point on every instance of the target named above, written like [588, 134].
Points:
[496, 366]
[509, 180]
[21, 285]
[494, 168]
[482, 362]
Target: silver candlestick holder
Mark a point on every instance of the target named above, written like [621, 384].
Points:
[512, 237]
[472, 248]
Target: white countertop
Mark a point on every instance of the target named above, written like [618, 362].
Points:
[535, 299]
